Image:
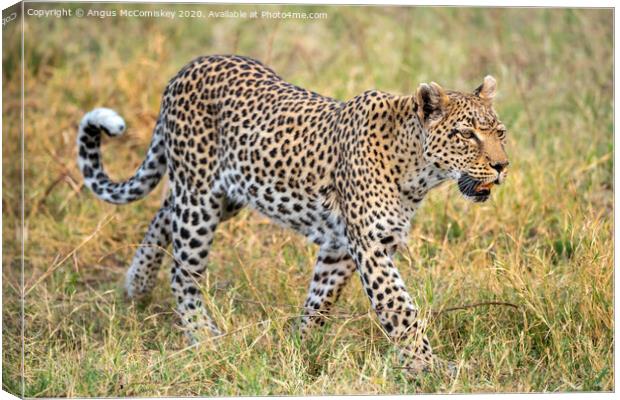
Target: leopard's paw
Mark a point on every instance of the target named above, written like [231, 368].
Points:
[199, 335]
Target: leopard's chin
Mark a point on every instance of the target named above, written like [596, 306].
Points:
[473, 189]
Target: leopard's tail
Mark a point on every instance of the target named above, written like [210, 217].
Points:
[89, 159]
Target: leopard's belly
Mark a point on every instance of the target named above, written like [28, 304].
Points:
[291, 204]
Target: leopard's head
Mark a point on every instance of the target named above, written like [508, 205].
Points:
[464, 137]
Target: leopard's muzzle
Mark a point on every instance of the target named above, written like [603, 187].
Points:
[475, 190]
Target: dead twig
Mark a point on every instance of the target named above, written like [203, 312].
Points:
[52, 268]
[474, 305]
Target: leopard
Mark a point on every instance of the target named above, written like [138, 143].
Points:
[347, 175]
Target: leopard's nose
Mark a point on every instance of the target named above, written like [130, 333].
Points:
[499, 166]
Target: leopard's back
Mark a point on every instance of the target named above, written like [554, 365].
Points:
[235, 127]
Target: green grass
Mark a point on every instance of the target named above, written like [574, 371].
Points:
[544, 242]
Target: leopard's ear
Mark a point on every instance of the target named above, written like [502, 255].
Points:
[488, 89]
[432, 101]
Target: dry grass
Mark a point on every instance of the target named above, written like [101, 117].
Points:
[544, 242]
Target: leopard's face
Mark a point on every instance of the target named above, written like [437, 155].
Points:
[464, 137]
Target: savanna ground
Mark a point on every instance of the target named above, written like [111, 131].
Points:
[543, 243]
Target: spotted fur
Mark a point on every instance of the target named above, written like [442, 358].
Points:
[347, 175]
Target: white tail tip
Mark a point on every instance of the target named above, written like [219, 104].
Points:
[106, 119]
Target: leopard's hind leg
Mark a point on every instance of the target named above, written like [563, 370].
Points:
[142, 274]
[195, 217]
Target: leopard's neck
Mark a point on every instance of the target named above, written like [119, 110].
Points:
[418, 176]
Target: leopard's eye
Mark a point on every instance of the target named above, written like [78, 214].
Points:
[467, 134]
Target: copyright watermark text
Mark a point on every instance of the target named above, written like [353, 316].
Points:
[172, 13]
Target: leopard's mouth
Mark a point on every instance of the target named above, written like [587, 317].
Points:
[475, 190]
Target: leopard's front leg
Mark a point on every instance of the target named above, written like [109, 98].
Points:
[394, 307]
[332, 272]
